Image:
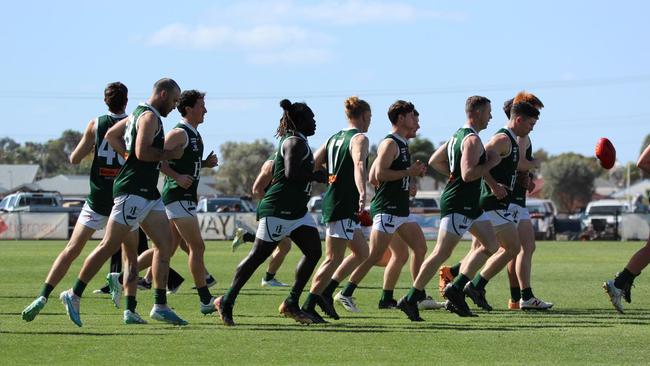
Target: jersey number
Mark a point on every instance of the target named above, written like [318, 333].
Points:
[450, 153]
[106, 151]
[333, 154]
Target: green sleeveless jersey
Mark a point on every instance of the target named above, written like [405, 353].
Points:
[393, 197]
[341, 200]
[459, 196]
[106, 164]
[287, 199]
[139, 177]
[188, 164]
[505, 173]
[519, 192]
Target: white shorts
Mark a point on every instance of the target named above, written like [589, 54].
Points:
[131, 210]
[387, 223]
[456, 223]
[342, 229]
[520, 212]
[180, 209]
[91, 219]
[274, 229]
[499, 217]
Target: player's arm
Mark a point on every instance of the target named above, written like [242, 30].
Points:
[144, 151]
[85, 146]
[359, 151]
[372, 175]
[524, 164]
[386, 153]
[115, 136]
[295, 151]
[175, 138]
[320, 158]
[470, 170]
[263, 179]
[644, 160]
[498, 146]
[439, 160]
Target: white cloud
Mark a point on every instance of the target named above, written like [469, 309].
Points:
[292, 56]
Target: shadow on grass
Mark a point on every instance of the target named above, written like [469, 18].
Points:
[77, 333]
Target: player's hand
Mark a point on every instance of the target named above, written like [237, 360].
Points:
[417, 169]
[413, 190]
[499, 191]
[184, 181]
[531, 185]
[211, 161]
[362, 202]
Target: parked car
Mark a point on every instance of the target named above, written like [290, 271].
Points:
[602, 218]
[315, 204]
[542, 216]
[225, 204]
[40, 201]
[425, 202]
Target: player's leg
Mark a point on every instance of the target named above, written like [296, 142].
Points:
[130, 280]
[621, 286]
[334, 252]
[358, 253]
[277, 258]
[399, 255]
[307, 239]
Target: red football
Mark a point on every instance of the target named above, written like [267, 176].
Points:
[364, 218]
[606, 153]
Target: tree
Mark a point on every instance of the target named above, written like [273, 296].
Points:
[240, 163]
[569, 180]
[422, 149]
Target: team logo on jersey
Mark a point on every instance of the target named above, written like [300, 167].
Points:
[194, 143]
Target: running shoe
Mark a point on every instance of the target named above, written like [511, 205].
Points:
[131, 317]
[534, 304]
[326, 304]
[410, 309]
[445, 278]
[347, 302]
[71, 303]
[225, 312]
[273, 283]
[513, 305]
[430, 304]
[210, 307]
[477, 296]
[291, 310]
[164, 314]
[314, 316]
[456, 303]
[115, 287]
[238, 239]
[30, 312]
[615, 295]
[387, 304]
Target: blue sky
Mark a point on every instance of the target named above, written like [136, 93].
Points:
[587, 61]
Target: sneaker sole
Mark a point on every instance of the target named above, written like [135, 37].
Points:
[228, 323]
[66, 302]
[606, 288]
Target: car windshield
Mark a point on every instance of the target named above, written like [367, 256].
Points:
[534, 208]
[605, 210]
[424, 202]
[226, 205]
[37, 201]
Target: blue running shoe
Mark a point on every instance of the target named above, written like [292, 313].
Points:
[167, 315]
[71, 303]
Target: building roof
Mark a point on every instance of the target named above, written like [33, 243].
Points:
[67, 185]
[12, 176]
[639, 188]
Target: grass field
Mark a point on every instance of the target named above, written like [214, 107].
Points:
[583, 328]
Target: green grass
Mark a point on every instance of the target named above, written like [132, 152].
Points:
[582, 328]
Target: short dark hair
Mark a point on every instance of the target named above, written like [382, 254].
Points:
[399, 107]
[474, 102]
[507, 106]
[116, 96]
[166, 84]
[188, 99]
[524, 109]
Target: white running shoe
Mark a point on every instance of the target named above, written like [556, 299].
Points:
[115, 287]
[238, 239]
[347, 302]
[534, 304]
[164, 314]
[131, 317]
[273, 283]
[430, 304]
[208, 308]
[71, 303]
[615, 295]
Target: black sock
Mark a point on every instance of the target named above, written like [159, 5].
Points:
[349, 289]
[293, 298]
[623, 278]
[310, 302]
[386, 295]
[455, 270]
[527, 294]
[479, 282]
[460, 281]
[414, 295]
[515, 294]
[204, 294]
[46, 290]
[160, 296]
[131, 303]
[248, 237]
[329, 290]
[269, 276]
[79, 287]
[174, 280]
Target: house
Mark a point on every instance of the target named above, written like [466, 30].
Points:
[14, 176]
